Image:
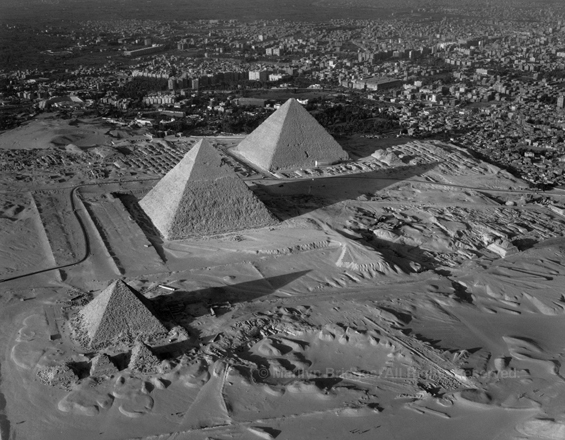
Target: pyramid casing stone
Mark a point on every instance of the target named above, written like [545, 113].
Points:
[290, 139]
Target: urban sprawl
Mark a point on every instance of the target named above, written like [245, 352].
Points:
[493, 86]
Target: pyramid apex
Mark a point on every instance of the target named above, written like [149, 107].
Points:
[203, 143]
[120, 287]
[203, 162]
[119, 282]
[290, 102]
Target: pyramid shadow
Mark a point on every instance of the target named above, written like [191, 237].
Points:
[144, 222]
[292, 198]
[121, 360]
[398, 254]
[404, 254]
[234, 293]
[216, 300]
[359, 148]
[81, 369]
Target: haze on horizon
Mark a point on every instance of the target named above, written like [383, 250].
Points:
[299, 10]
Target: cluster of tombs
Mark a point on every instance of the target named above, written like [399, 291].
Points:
[118, 320]
[202, 195]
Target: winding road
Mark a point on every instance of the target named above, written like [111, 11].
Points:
[78, 211]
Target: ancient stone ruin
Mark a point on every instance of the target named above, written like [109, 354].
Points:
[142, 359]
[201, 196]
[61, 376]
[119, 315]
[101, 365]
[290, 139]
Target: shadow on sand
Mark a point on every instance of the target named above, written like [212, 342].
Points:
[409, 258]
[144, 222]
[183, 307]
[291, 198]
[221, 295]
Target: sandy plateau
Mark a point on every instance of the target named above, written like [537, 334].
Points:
[413, 292]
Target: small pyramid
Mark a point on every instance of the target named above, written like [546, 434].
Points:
[101, 365]
[142, 359]
[119, 313]
[290, 139]
[57, 376]
[202, 195]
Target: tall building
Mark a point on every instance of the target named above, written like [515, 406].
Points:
[259, 75]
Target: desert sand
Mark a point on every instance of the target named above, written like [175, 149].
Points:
[412, 293]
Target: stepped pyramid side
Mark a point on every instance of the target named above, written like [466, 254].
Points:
[57, 375]
[102, 366]
[162, 201]
[203, 196]
[119, 312]
[216, 207]
[290, 138]
[142, 359]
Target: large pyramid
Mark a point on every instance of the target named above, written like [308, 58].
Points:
[290, 139]
[119, 314]
[202, 195]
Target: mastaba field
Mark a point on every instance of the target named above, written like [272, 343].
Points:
[408, 291]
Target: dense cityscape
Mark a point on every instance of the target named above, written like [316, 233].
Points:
[496, 87]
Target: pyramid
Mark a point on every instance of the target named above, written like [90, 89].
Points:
[102, 365]
[202, 195]
[290, 139]
[142, 359]
[119, 313]
[60, 375]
